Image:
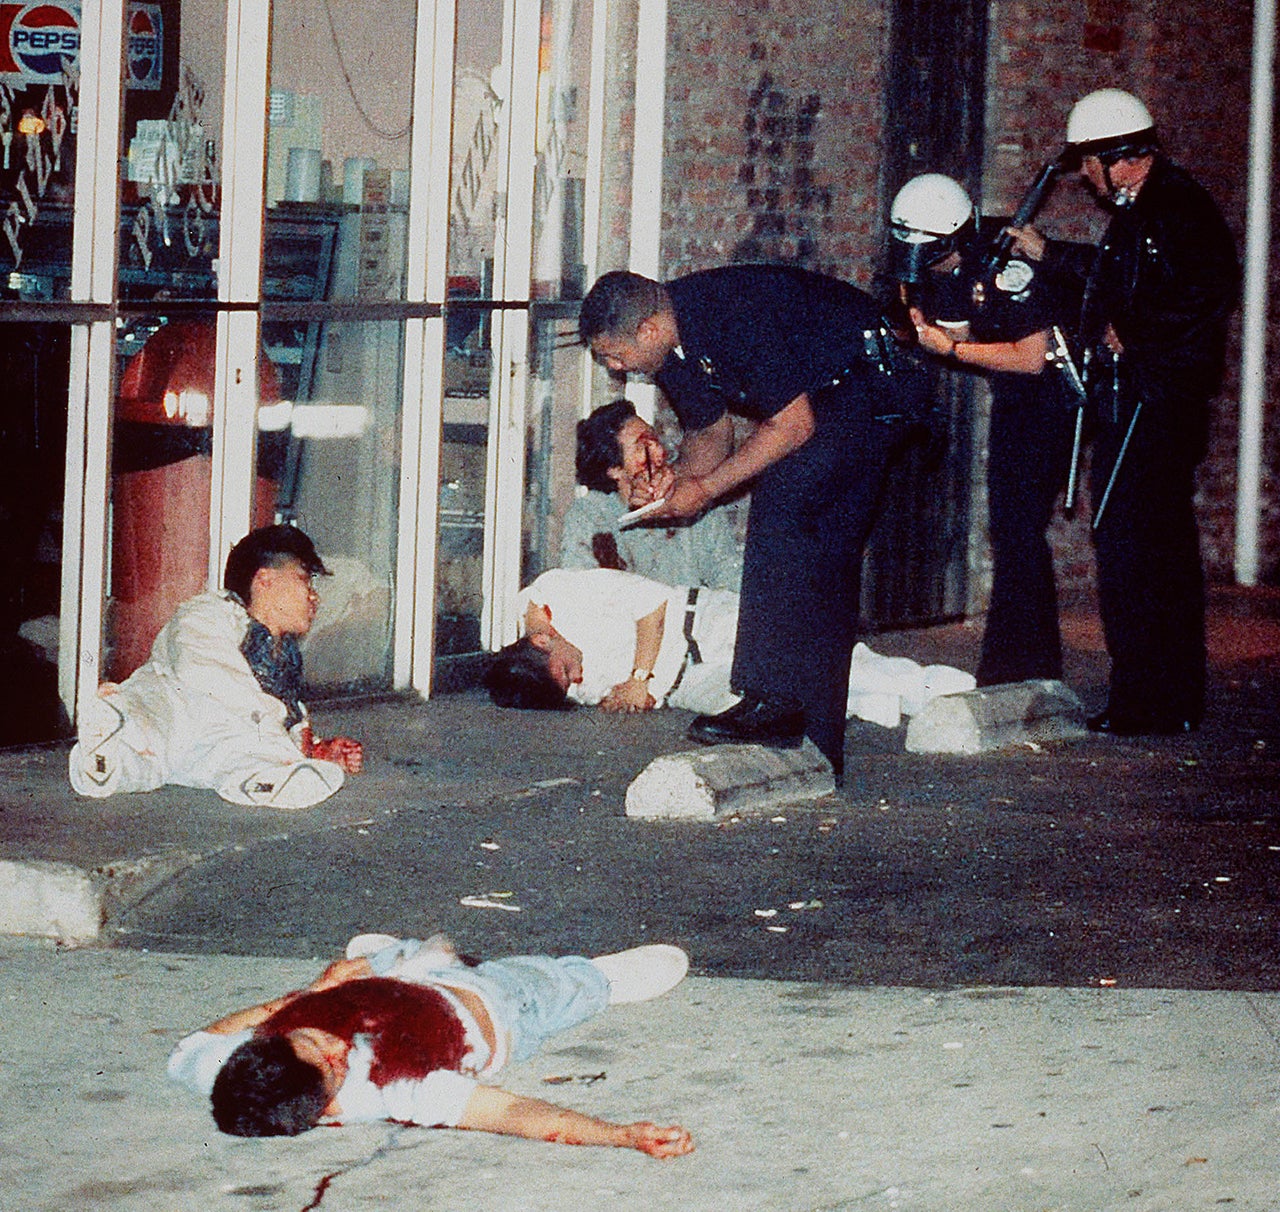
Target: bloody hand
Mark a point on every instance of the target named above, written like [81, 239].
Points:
[674, 1141]
[342, 750]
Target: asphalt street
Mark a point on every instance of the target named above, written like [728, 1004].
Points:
[1148, 862]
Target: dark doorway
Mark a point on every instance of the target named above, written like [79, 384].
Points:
[34, 360]
[916, 569]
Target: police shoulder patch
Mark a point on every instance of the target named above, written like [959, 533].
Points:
[1015, 277]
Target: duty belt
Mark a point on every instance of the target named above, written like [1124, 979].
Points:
[692, 655]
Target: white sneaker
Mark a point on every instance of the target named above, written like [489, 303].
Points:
[643, 973]
[96, 757]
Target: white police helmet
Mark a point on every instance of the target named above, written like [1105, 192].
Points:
[1111, 124]
[929, 207]
[930, 217]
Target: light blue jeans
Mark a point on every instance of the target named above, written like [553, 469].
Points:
[531, 997]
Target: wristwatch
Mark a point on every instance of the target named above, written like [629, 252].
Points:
[641, 675]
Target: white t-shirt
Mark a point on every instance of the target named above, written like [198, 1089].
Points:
[596, 610]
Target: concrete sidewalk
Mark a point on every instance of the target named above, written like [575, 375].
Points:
[799, 1096]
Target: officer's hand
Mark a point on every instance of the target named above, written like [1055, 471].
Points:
[652, 487]
[931, 337]
[1027, 241]
[687, 498]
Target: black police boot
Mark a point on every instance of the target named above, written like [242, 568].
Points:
[778, 723]
[1146, 723]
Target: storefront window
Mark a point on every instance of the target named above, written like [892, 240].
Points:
[163, 417]
[337, 200]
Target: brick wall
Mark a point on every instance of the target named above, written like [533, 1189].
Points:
[774, 117]
[771, 107]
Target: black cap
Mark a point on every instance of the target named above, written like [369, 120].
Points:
[268, 547]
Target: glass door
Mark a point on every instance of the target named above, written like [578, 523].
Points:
[562, 235]
[163, 416]
[334, 272]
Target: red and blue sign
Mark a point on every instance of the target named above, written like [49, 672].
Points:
[37, 41]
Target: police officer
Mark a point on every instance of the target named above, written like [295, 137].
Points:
[804, 356]
[1158, 293]
[998, 325]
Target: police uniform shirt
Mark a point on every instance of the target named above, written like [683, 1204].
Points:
[754, 337]
[1014, 304]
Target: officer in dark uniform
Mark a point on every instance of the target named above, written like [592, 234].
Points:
[808, 358]
[1158, 293]
[1000, 327]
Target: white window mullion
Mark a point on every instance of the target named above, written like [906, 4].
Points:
[646, 162]
[430, 157]
[93, 243]
[512, 271]
[85, 516]
[593, 185]
[235, 401]
[91, 381]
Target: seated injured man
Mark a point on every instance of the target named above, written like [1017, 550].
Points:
[616, 451]
[404, 1030]
[598, 636]
[217, 704]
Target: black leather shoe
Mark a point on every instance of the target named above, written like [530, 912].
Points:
[779, 724]
[1117, 723]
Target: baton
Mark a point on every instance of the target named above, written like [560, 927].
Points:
[1059, 355]
[1069, 504]
[1115, 467]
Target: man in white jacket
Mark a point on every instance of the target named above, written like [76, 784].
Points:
[217, 705]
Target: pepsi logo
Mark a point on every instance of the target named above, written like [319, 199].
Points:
[41, 37]
[37, 41]
[145, 43]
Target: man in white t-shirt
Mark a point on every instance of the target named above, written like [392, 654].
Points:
[404, 1030]
[599, 637]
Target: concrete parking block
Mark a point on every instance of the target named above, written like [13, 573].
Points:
[50, 900]
[703, 784]
[996, 717]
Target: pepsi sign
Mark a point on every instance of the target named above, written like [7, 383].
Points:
[37, 41]
[144, 53]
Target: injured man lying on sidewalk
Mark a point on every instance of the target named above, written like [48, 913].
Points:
[404, 1030]
[602, 637]
[217, 704]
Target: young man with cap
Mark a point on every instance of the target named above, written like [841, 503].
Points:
[218, 704]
